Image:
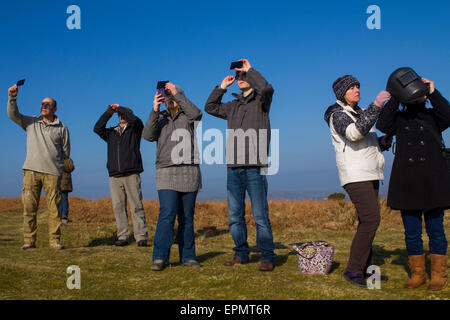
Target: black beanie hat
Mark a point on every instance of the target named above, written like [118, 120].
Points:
[342, 84]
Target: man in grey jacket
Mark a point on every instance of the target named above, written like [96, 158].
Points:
[248, 121]
[48, 144]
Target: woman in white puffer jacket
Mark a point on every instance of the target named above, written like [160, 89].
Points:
[360, 166]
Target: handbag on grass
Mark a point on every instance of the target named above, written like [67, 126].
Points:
[315, 257]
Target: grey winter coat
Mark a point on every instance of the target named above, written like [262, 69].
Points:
[251, 115]
[174, 136]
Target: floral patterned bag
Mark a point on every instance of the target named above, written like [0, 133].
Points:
[315, 257]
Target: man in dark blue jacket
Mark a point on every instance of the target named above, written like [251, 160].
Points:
[124, 167]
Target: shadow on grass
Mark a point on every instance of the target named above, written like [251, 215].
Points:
[209, 255]
[280, 259]
[400, 258]
[209, 232]
[109, 241]
[380, 254]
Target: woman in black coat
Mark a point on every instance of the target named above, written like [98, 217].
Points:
[420, 180]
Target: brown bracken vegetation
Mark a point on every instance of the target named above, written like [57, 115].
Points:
[305, 214]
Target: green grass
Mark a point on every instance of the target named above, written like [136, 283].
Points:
[109, 272]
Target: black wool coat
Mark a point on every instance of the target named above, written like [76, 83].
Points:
[420, 178]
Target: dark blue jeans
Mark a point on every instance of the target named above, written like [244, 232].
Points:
[240, 180]
[64, 205]
[434, 225]
[175, 204]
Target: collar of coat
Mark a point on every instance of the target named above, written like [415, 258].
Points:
[357, 110]
[55, 122]
[242, 99]
[117, 128]
[166, 114]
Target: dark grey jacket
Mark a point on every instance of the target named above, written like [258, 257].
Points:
[251, 112]
[124, 155]
[161, 126]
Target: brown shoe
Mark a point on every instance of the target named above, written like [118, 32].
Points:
[438, 272]
[235, 260]
[417, 267]
[266, 266]
[191, 263]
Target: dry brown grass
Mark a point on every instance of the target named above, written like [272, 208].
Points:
[305, 214]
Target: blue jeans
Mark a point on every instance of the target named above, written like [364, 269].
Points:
[249, 179]
[171, 204]
[64, 205]
[434, 224]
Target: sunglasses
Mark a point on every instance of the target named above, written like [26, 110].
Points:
[46, 105]
[241, 75]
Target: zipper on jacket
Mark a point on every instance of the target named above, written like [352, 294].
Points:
[118, 155]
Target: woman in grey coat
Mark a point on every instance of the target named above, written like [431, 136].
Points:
[178, 176]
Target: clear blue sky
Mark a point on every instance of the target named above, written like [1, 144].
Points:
[125, 47]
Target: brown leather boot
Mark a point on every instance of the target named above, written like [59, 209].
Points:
[438, 272]
[417, 267]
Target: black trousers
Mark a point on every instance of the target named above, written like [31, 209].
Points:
[364, 196]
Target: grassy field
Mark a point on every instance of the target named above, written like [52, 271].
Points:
[109, 272]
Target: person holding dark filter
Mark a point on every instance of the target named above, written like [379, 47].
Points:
[124, 167]
[247, 117]
[360, 166]
[48, 144]
[420, 179]
[178, 177]
[66, 187]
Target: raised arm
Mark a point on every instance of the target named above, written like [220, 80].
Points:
[261, 86]
[357, 130]
[13, 111]
[192, 112]
[387, 120]
[100, 125]
[441, 109]
[440, 105]
[214, 105]
[258, 83]
[129, 117]
[151, 130]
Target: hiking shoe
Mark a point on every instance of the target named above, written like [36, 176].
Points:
[266, 266]
[57, 246]
[191, 263]
[235, 260]
[158, 265]
[142, 243]
[355, 278]
[64, 221]
[28, 246]
[121, 243]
